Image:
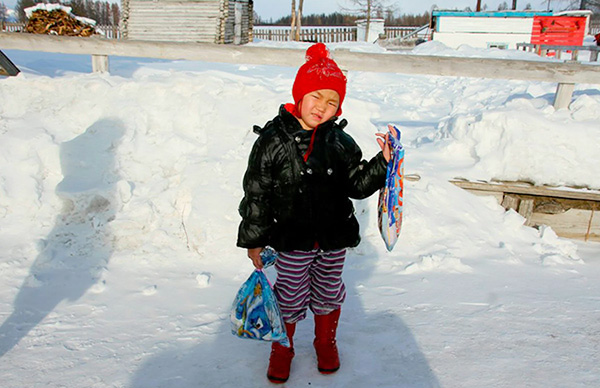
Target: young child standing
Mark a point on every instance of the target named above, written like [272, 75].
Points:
[302, 171]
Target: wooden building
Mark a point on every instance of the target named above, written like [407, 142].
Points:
[505, 29]
[207, 21]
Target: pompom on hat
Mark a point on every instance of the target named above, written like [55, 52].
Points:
[319, 72]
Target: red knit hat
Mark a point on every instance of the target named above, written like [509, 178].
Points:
[319, 72]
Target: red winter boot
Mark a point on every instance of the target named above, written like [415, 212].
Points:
[328, 360]
[281, 358]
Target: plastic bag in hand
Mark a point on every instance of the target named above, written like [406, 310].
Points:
[391, 196]
[255, 313]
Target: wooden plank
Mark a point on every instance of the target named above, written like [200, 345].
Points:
[577, 224]
[404, 64]
[570, 217]
[100, 63]
[498, 195]
[563, 95]
[522, 188]
[526, 209]
[510, 202]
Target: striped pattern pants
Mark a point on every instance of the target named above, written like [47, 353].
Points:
[309, 279]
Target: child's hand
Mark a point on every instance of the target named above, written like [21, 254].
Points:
[384, 143]
[254, 255]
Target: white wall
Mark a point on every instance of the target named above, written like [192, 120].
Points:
[483, 31]
[484, 24]
[454, 40]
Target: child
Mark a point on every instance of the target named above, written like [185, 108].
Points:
[302, 170]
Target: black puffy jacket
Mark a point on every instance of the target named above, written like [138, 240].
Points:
[291, 204]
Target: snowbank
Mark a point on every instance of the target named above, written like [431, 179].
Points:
[118, 217]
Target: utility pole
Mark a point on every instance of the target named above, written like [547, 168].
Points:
[478, 7]
[514, 7]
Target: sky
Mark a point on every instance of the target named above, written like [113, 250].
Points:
[276, 8]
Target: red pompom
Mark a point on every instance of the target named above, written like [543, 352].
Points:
[317, 51]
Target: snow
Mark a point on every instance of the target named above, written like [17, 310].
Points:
[118, 218]
[46, 7]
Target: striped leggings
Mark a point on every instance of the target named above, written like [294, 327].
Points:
[309, 279]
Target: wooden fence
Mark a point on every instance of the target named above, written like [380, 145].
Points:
[322, 34]
[395, 32]
[12, 27]
[307, 34]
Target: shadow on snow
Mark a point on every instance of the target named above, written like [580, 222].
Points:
[76, 251]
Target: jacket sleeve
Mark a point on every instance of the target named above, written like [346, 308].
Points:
[364, 177]
[255, 207]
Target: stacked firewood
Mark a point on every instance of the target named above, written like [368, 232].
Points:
[57, 22]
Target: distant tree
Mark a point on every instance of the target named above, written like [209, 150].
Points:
[528, 6]
[20, 9]
[293, 20]
[562, 4]
[77, 7]
[3, 15]
[257, 19]
[503, 6]
[593, 5]
[116, 14]
[342, 19]
[368, 9]
[296, 20]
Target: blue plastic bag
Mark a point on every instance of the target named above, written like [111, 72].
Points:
[255, 313]
[391, 196]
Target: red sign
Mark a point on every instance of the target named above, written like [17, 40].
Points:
[558, 30]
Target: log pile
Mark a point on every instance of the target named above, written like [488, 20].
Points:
[57, 22]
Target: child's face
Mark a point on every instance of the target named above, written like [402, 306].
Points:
[318, 107]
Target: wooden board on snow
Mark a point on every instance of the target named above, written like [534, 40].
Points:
[572, 213]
